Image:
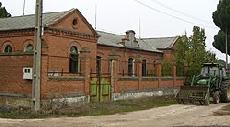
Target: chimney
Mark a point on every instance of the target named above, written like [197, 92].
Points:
[130, 40]
[130, 35]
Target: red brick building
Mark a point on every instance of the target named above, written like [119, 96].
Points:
[79, 62]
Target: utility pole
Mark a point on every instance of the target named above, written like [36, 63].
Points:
[226, 48]
[37, 56]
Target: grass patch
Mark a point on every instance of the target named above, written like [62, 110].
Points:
[223, 111]
[90, 109]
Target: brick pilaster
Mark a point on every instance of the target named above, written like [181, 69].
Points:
[85, 68]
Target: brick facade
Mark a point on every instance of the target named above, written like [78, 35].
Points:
[58, 39]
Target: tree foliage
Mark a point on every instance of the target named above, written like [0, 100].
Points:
[219, 42]
[166, 68]
[190, 51]
[3, 12]
[221, 17]
[182, 47]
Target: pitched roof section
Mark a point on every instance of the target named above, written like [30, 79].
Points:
[109, 39]
[28, 21]
[161, 43]
[114, 40]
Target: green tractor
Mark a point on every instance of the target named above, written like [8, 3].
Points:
[212, 85]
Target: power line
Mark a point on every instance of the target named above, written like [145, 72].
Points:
[168, 14]
[177, 11]
[156, 10]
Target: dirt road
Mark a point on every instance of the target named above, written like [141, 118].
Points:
[174, 115]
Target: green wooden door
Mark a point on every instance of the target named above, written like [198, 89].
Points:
[100, 85]
[100, 89]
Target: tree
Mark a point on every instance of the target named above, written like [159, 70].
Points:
[180, 54]
[190, 51]
[219, 42]
[166, 68]
[196, 52]
[210, 57]
[3, 12]
[221, 17]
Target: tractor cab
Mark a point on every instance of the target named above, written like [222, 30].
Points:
[213, 70]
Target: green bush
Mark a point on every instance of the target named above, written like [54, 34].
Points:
[166, 68]
[180, 69]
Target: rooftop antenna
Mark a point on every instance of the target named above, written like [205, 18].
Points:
[24, 3]
[185, 32]
[95, 17]
[139, 28]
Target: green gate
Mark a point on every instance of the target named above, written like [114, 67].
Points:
[100, 87]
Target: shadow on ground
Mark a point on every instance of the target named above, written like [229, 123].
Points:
[202, 126]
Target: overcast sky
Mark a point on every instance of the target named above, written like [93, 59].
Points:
[158, 18]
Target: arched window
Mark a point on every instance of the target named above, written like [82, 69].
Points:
[144, 68]
[29, 48]
[130, 67]
[73, 60]
[8, 49]
[98, 65]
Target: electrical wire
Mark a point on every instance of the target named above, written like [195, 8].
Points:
[168, 14]
[180, 12]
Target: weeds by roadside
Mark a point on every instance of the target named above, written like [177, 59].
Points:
[90, 109]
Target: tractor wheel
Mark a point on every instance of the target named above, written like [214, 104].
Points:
[179, 101]
[216, 97]
[225, 95]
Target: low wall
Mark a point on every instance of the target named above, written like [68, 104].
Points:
[146, 93]
[58, 86]
[126, 84]
[72, 90]
[20, 101]
[15, 101]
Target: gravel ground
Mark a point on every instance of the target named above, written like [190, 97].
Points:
[174, 115]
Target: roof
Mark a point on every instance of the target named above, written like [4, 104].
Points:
[28, 21]
[161, 42]
[114, 40]
[109, 39]
[148, 44]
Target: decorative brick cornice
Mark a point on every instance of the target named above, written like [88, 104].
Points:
[70, 34]
[52, 31]
[17, 33]
[17, 54]
[21, 54]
